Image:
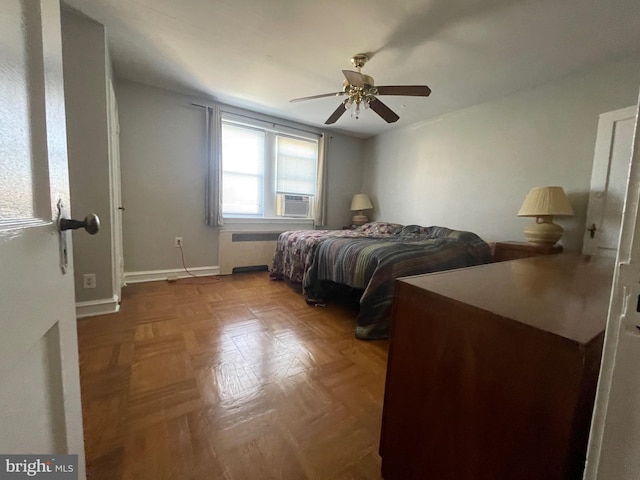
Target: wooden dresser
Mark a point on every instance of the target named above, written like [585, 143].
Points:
[513, 250]
[492, 370]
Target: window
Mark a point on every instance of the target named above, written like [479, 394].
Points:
[262, 168]
[296, 165]
[242, 170]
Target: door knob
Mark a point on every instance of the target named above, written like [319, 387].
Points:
[592, 229]
[91, 224]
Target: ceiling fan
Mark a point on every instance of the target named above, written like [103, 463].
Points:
[362, 93]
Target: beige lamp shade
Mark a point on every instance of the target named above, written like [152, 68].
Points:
[544, 203]
[359, 203]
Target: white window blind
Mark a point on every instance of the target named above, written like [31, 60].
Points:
[296, 165]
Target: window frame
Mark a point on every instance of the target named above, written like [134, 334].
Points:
[272, 130]
[260, 176]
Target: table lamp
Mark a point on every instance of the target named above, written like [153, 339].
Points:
[544, 203]
[359, 203]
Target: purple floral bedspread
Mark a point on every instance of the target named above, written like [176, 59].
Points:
[295, 249]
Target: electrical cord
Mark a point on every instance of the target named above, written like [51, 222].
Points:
[201, 279]
[183, 264]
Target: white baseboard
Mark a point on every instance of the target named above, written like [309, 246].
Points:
[158, 275]
[97, 307]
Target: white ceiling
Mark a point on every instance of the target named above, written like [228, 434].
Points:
[259, 54]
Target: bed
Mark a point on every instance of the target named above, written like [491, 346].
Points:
[370, 260]
[295, 249]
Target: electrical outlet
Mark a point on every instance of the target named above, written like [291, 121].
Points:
[178, 242]
[89, 280]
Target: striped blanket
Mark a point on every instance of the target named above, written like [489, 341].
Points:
[295, 249]
[373, 264]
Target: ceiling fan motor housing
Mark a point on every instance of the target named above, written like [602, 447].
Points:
[358, 60]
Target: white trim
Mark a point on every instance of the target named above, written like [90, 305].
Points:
[115, 191]
[158, 275]
[617, 384]
[598, 192]
[97, 307]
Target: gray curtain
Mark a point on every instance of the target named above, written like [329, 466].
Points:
[214, 167]
[320, 211]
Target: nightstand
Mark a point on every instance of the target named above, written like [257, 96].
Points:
[503, 251]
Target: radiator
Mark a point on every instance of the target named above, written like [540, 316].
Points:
[246, 249]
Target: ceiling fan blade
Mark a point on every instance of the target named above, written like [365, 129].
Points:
[336, 114]
[334, 94]
[354, 78]
[409, 90]
[381, 109]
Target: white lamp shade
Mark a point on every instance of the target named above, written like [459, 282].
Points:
[361, 202]
[542, 201]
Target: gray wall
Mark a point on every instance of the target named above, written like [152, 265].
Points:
[344, 178]
[162, 141]
[162, 155]
[86, 71]
[471, 169]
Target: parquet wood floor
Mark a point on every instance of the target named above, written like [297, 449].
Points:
[232, 377]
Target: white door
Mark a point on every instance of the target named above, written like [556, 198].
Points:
[40, 409]
[116, 193]
[608, 182]
[614, 445]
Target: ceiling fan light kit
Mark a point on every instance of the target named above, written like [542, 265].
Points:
[362, 93]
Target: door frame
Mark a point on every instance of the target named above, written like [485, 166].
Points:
[623, 315]
[117, 254]
[603, 152]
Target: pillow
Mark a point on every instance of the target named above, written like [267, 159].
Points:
[381, 228]
[411, 230]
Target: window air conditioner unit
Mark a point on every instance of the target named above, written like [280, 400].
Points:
[293, 205]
